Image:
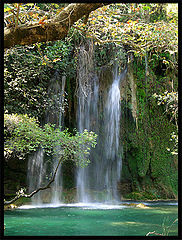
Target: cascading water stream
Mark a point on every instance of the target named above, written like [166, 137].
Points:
[87, 117]
[36, 173]
[37, 166]
[57, 184]
[113, 161]
[98, 181]
[99, 111]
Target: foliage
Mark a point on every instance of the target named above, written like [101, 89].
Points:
[23, 135]
[141, 196]
[59, 53]
[138, 26]
[109, 54]
[23, 13]
[25, 82]
[154, 133]
[27, 73]
[147, 147]
[170, 100]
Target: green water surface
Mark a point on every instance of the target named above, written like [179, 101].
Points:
[82, 221]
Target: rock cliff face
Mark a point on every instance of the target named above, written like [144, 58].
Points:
[128, 88]
[145, 135]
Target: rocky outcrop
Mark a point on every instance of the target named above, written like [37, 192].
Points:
[137, 205]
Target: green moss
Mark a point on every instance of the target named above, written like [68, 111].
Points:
[125, 173]
[69, 196]
[22, 201]
[133, 163]
[141, 196]
[152, 168]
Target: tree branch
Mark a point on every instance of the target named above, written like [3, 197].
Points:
[54, 29]
[149, 233]
[21, 193]
[17, 15]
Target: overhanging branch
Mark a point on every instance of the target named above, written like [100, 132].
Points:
[54, 29]
[22, 194]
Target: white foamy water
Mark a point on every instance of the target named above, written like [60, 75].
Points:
[97, 205]
[79, 205]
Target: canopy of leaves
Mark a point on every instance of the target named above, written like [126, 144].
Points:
[141, 27]
[30, 12]
[27, 73]
[24, 135]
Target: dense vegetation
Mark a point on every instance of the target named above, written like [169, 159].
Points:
[152, 144]
[147, 34]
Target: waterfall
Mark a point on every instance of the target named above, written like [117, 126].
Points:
[57, 184]
[99, 112]
[36, 174]
[87, 117]
[38, 171]
[112, 164]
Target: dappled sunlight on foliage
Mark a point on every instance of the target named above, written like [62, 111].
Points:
[23, 135]
[131, 25]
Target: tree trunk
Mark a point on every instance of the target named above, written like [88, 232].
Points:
[54, 29]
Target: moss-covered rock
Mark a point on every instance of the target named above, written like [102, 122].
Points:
[10, 207]
[138, 205]
[151, 169]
